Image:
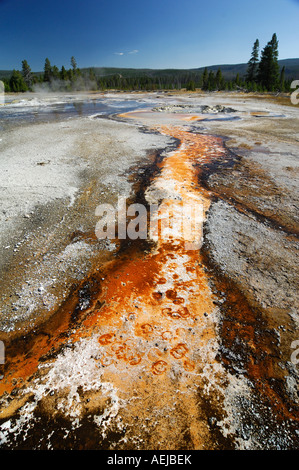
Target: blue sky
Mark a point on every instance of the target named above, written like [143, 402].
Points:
[139, 33]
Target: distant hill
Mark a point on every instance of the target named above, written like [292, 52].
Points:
[5, 73]
[229, 71]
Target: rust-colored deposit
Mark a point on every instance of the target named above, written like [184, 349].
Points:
[140, 368]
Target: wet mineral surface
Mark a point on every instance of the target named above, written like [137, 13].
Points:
[179, 340]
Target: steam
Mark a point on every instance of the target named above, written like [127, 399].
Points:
[57, 85]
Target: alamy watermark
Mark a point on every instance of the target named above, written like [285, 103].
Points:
[2, 353]
[295, 354]
[169, 221]
[2, 99]
[295, 94]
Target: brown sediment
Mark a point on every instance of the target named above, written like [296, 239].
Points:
[249, 345]
[156, 323]
[250, 189]
[259, 113]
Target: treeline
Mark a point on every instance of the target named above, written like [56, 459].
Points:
[143, 82]
[263, 75]
[74, 79]
[52, 79]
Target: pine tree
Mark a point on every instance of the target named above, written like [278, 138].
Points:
[26, 72]
[6, 85]
[17, 83]
[282, 79]
[55, 72]
[274, 44]
[47, 71]
[70, 74]
[219, 79]
[63, 73]
[74, 64]
[268, 74]
[205, 79]
[211, 81]
[190, 86]
[252, 68]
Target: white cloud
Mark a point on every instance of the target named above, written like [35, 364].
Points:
[135, 51]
